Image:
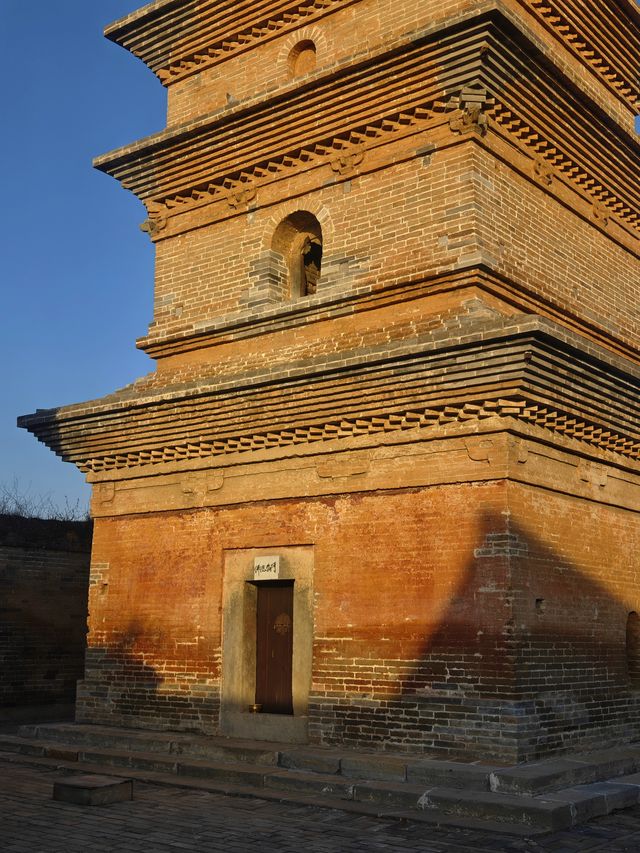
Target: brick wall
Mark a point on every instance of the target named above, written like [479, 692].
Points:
[559, 255]
[468, 614]
[149, 664]
[576, 578]
[208, 273]
[450, 211]
[44, 568]
[429, 632]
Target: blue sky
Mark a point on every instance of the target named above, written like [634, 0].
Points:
[76, 274]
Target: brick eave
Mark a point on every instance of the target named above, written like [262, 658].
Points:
[524, 362]
[118, 30]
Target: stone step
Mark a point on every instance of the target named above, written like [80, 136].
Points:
[56, 750]
[428, 772]
[392, 768]
[538, 813]
[308, 782]
[99, 736]
[105, 737]
[542, 777]
[547, 812]
[450, 774]
[542, 796]
[168, 764]
[379, 807]
[389, 795]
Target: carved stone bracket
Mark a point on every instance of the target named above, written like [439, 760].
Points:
[543, 171]
[600, 213]
[470, 111]
[347, 161]
[592, 473]
[105, 492]
[154, 224]
[196, 486]
[343, 466]
[241, 196]
[479, 449]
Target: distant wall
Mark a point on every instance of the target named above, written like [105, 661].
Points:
[44, 578]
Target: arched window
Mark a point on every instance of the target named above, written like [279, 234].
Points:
[297, 245]
[633, 648]
[302, 59]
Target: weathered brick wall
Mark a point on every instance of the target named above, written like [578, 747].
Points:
[374, 675]
[149, 664]
[335, 334]
[44, 574]
[208, 273]
[450, 211]
[557, 254]
[467, 614]
[457, 618]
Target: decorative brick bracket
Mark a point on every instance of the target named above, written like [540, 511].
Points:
[154, 224]
[470, 108]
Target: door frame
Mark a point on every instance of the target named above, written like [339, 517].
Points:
[239, 623]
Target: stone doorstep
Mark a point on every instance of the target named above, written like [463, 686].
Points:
[529, 779]
[372, 808]
[352, 764]
[530, 811]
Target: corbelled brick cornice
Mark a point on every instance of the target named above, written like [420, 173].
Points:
[526, 368]
[604, 34]
[177, 39]
[420, 83]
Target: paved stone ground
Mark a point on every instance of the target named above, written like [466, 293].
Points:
[173, 820]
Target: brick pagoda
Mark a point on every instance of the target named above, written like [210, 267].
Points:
[382, 488]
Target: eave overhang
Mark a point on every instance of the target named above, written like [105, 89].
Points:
[178, 38]
[526, 368]
[420, 82]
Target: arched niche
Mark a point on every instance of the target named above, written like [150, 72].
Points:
[302, 59]
[297, 243]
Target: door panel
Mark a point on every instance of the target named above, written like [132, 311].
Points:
[274, 647]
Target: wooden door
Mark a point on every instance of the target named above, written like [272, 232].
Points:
[274, 647]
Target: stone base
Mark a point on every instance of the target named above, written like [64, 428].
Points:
[265, 727]
[93, 790]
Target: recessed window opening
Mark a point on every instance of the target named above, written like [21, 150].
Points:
[302, 59]
[298, 243]
[633, 648]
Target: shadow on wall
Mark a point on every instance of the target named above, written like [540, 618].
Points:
[121, 688]
[530, 656]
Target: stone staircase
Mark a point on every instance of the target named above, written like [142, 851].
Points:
[524, 799]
